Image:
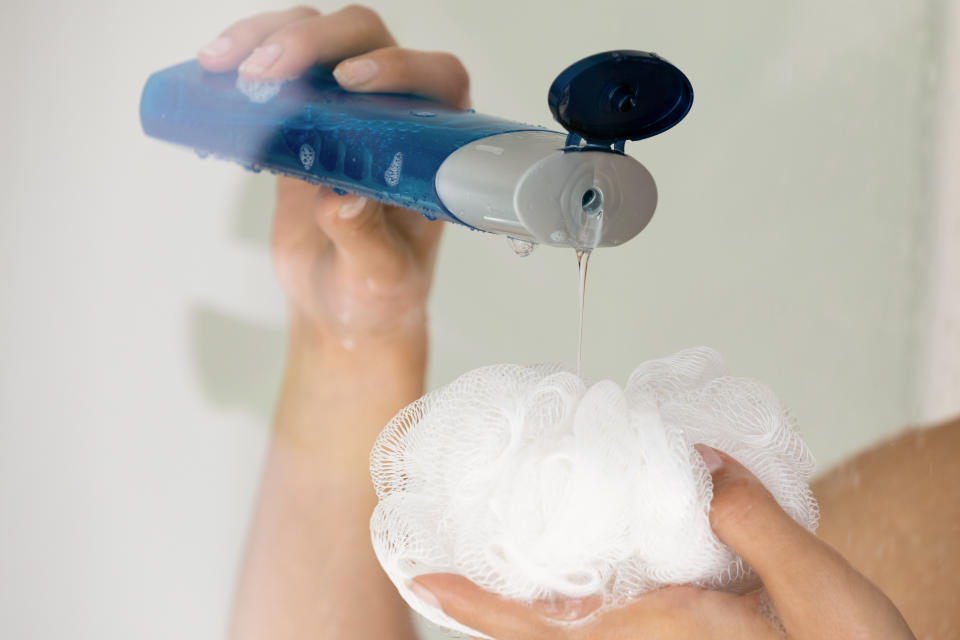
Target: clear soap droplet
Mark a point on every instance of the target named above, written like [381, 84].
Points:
[522, 248]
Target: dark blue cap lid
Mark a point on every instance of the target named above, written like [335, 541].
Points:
[620, 95]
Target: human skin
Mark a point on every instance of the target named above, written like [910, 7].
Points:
[893, 512]
[890, 523]
[357, 275]
[814, 591]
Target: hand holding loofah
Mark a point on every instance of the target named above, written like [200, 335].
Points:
[535, 486]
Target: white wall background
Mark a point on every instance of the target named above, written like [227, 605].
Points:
[141, 332]
[940, 390]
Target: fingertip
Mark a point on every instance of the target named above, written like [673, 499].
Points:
[351, 207]
[740, 502]
[424, 594]
[218, 55]
[441, 583]
[355, 72]
[445, 590]
[338, 211]
[456, 596]
[353, 223]
[710, 457]
[238, 42]
[737, 493]
[216, 47]
[260, 61]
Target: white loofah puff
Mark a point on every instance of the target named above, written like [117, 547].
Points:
[535, 486]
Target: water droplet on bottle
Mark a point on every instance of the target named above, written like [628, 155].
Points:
[522, 248]
[256, 167]
[339, 191]
[201, 153]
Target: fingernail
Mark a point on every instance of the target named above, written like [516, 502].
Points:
[424, 594]
[352, 207]
[261, 59]
[216, 48]
[710, 457]
[354, 72]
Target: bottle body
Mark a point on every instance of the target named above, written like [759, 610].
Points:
[492, 174]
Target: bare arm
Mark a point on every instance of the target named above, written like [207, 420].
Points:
[894, 512]
[357, 275]
[884, 565]
[310, 571]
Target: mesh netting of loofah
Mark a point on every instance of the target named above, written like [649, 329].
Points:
[536, 486]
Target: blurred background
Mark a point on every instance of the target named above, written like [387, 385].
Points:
[808, 228]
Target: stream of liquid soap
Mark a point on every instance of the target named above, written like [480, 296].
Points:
[583, 260]
[585, 229]
[588, 230]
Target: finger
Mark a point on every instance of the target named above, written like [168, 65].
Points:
[683, 612]
[361, 237]
[227, 50]
[320, 39]
[478, 609]
[746, 517]
[671, 613]
[810, 585]
[436, 75]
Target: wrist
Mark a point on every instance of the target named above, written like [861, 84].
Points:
[338, 394]
[345, 354]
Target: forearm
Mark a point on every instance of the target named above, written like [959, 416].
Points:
[310, 570]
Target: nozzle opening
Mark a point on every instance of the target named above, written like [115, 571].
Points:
[591, 201]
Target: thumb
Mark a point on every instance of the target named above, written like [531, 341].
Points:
[814, 590]
[747, 518]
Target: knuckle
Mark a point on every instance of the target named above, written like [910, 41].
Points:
[364, 15]
[407, 62]
[254, 27]
[401, 62]
[396, 56]
[246, 28]
[302, 11]
[459, 78]
[454, 63]
[292, 36]
[297, 36]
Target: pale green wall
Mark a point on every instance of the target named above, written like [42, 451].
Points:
[794, 202]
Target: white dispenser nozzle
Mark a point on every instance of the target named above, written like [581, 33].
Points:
[526, 185]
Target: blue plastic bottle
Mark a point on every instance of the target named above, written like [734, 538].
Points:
[481, 171]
